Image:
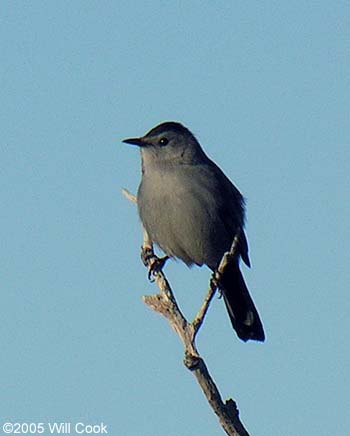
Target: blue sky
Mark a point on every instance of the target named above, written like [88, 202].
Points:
[265, 86]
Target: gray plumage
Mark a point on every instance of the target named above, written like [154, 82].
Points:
[192, 211]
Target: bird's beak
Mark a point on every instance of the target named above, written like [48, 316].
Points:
[135, 141]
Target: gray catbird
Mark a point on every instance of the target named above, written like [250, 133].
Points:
[192, 211]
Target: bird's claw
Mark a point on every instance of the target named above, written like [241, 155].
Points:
[153, 262]
[156, 264]
[215, 281]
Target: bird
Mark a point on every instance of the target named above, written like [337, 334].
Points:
[192, 212]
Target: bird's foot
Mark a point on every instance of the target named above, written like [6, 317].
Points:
[215, 281]
[156, 265]
[153, 262]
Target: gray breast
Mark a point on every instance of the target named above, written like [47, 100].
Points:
[190, 212]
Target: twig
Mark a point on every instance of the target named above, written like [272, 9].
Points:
[165, 303]
[213, 285]
[199, 318]
[131, 197]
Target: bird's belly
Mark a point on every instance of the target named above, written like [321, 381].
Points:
[183, 221]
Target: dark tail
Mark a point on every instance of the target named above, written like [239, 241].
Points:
[240, 306]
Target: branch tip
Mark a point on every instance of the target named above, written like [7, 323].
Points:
[131, 197]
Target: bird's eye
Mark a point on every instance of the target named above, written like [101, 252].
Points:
[163, 141]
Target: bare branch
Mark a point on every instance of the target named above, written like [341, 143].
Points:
[165, 303]
[131, 197]
[229, 256]
[198, 320]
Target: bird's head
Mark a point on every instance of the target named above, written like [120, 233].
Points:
[169, 142]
